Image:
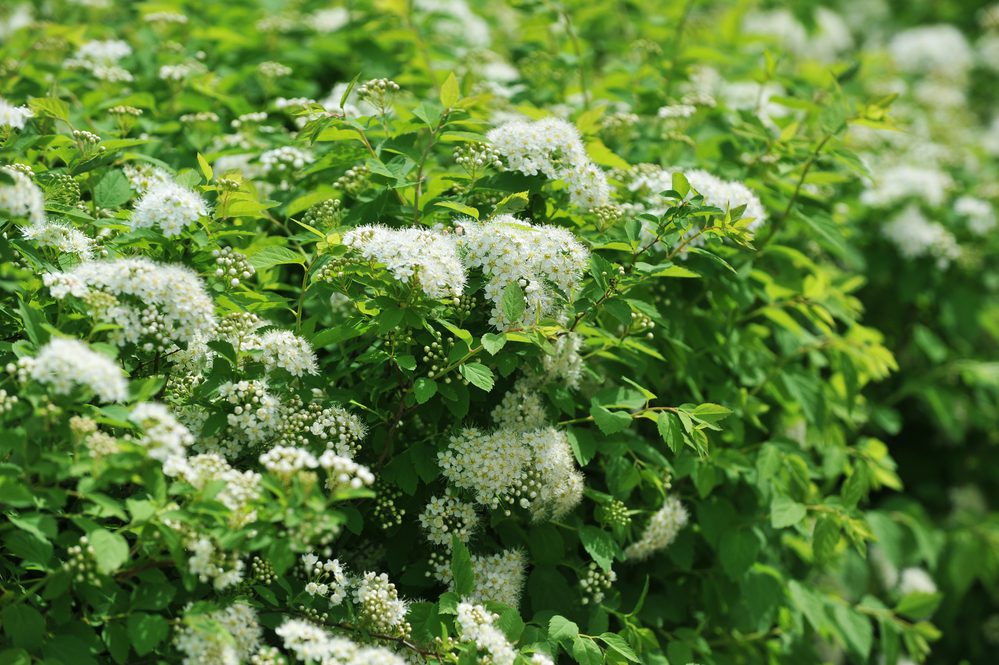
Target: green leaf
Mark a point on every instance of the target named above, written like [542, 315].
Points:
[785, 512]
[461, 568]
[561, 629]
[270, 256]
[493, 342]
[670, 430]
[599, 545]
[738, 549]
[918, 604]
[110, 550]
[586, 652]
[680, 184]
[825, 537]
[424, 389]
[450, 92]
[710, 413]
[856, 629]
[511, 203]
[618, 645]
[146, 631]
[50, 107]
[610, 422]
[206, 168]
[459, 207]
[350, 87]
[112, 190]
[24, 625]
[513, 302]
[478, 375]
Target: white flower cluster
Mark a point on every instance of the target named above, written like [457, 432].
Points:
[342, 472]
[379, 607]
[164, 437]
[284, 160]
[554, 148]
[326, 578]
[282, 349]
[446, 517]
[499, 577]
[155, 305]
[61, 237]
[830, 37]
[661, 530]
[168, 206]
[63, 364]
[980, 216]
[916, 580]
[477, 625]
[332, 426]
[534, 470]
[211, 564]
[939, 49]
[313, 644]
[207, 646]
[904, 181]
[254, 415]
[241, 490]
[546, 262]
[565, 365]
[101, 59]
[727, 194]
[143, 176]
[21, 198]
[915, 236]
[428, 257]
[521, 409]
[13, 116]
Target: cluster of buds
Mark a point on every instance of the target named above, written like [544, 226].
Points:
[262, 571]
[354, 180]
[614, 514]
[81, 563]
[436, 354]
[386, 511]
[595, 583]
[475, 157]
[200, 117]
[7, 401]
[324, 214]
[125, 117]
[232, 266]
[378, 93]
[273, 70]
[88, 143]
[608, 215]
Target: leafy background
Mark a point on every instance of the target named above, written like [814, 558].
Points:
[823, 406]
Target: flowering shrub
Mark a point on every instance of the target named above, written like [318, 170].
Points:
[467, 332]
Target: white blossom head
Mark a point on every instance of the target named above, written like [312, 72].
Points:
[64, 364]
[169, 207]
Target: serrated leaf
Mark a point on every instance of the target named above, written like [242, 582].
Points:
[450, 92]
[146, 631]
[112, 189]
[618, 645]
[599, 545]
[493, 342]
[785, 512]
[459, 207]
[561, 629]
[424, 389]
[670, 430]
[461, 568]
[513, 302]
[110, 550]
[610, 422]
[825, 537]
[478, 375]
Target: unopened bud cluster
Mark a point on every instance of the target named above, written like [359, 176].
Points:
[354, 180]
[232, 266]
[82, 562]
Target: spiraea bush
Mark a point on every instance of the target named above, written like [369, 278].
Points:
[509, 333]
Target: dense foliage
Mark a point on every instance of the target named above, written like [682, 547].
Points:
[434, 331]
